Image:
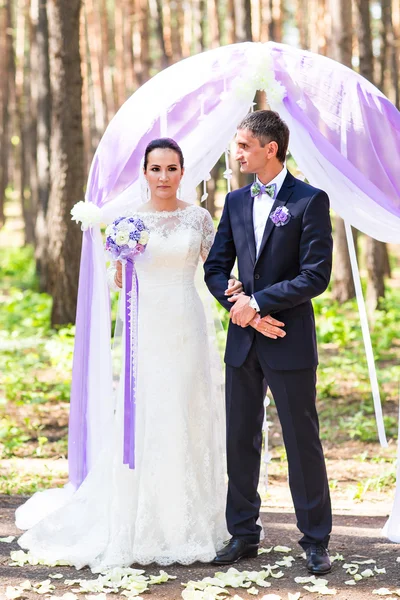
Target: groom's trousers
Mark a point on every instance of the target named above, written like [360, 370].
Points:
[294, 394]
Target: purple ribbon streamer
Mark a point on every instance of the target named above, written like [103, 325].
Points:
[77, 439]
[131, 326]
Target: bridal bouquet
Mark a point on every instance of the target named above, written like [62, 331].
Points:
[126, 237]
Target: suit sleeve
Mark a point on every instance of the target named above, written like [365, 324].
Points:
[221, 259]
[315, 262]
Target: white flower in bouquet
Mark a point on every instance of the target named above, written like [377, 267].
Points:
[122, 238]
[144, 237]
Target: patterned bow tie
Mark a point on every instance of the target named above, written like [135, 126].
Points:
[258, 188]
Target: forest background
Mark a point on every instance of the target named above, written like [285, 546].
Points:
[66, 66]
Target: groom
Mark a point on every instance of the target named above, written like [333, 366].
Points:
[279, 230]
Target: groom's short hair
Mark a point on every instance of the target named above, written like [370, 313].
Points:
[267, 126]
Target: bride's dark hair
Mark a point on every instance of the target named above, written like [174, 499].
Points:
[164, 144]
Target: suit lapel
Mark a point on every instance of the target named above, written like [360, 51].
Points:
[283, 196]
[248, 202]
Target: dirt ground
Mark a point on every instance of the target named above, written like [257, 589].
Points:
[356, 535]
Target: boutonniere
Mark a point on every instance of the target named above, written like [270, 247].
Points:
[281, 216]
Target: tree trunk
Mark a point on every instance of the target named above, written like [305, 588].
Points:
[340, 49]
[389, 76]
[141, 45]
[396, 51]
[302, 22]
[162, 35]
[43, 143]
[6, 71]
[276, 22]
[119, 78]
[375, 251]
[67, 176]
[23, 95]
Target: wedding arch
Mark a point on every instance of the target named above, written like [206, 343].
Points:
[345, 138]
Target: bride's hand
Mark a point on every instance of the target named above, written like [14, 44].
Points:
[234, 287]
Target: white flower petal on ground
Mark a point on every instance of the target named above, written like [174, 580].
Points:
[271, 597]
[7, 540]
[398, 559]
[13, 592]
[357, 577]
[210, 593]
[350, 582]
[367, 573]
[319, 589]
[69, 596]
[337, 557]
[309, 579]
[267, 551]
[253, 591]
[25, 585]
[294, 596]
[163, 577]
[351, 568]
[56, 576]
[369, 561]
[96, 597]
[285, 562]
[382, 592]
[284, 549]
[380, 571]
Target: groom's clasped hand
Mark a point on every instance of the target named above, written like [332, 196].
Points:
[243, 315]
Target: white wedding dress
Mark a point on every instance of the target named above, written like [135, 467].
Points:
[171, 507]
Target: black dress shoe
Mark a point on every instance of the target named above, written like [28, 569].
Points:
[236, 549]
[318, 561]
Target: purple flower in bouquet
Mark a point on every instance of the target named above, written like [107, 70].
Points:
[280, 216]
[126, 237]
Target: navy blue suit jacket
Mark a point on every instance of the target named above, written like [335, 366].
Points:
[293, 265]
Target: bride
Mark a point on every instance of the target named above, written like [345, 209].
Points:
[171, 507]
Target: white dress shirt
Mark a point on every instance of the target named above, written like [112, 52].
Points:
[261, 209]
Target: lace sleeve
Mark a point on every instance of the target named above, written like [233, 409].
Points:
[111, 278]
[207, 235]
